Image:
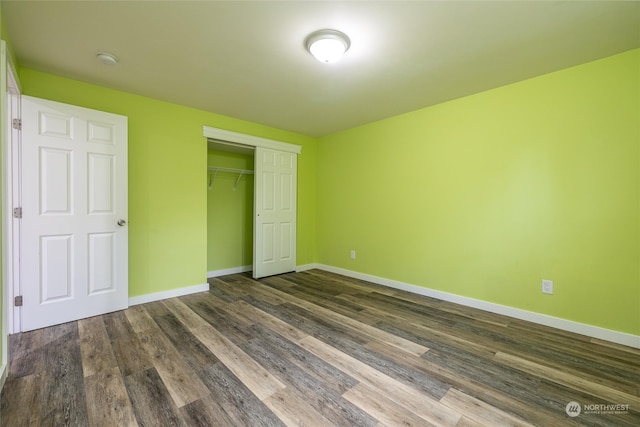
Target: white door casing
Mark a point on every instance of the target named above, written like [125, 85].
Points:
[11, 196]
[74, 255]
[274, 231]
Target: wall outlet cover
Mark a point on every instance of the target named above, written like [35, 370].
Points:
[547, 287]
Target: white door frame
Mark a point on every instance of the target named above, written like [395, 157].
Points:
[4, 137]
[234, 138]
[10, 198]
[226, 137]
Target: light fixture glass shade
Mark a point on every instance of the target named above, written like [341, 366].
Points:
[327, 45]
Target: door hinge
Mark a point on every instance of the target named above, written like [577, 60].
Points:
[18, 301]
[17, 212]
[16, 124]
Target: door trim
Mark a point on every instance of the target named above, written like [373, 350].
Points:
[4, 139]
[228, 137]
[10, 197]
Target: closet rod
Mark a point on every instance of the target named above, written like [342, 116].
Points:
[232, 170]
[216, 169]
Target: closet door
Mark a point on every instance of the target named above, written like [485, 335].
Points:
[274, 235]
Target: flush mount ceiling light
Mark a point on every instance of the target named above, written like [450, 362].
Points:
[107, 58]
[327, 45]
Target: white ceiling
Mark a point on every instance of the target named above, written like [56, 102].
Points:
[246, 59]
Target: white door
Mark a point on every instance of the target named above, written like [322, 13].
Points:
[73, 253]
[274, 231]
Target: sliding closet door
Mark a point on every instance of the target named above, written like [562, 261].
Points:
[274, 235]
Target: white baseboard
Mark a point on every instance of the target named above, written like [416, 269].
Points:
[233, 270]
[542, 319]
[306, 267]
[158, 296]
[245, 268]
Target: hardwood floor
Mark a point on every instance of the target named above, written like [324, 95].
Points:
[314, 349]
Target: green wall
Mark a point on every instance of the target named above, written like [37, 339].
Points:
[168, 180]
[487, 195]
[230, 213]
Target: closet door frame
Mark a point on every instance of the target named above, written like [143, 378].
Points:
[235, 139]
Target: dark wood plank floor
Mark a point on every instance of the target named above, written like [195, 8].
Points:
[314, 349]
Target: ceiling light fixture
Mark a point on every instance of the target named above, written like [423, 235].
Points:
[327, 45]
[107, 58]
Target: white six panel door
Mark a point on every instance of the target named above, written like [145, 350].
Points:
[73, 253]
[274, 248]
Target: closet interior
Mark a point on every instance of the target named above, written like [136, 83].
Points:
[229, 208]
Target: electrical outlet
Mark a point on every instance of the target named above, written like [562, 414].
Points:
[353, 254]
[547, 287]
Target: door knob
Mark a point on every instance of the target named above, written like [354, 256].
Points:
[121, 222]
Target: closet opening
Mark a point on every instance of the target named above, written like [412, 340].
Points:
[260, 206]
[230, 196]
